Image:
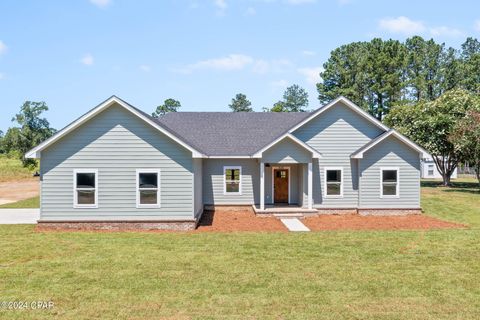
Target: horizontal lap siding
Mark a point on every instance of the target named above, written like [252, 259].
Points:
[116, 143]
[287, 151]
[213, 182]
[336, 134]
[390, 153]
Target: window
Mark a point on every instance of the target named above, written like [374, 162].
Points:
[430, 170]
[148, 188]
[85, 188]
[333, 182]
[389, 182]
[232, 178]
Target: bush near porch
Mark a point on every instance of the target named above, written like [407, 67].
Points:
[322, 275]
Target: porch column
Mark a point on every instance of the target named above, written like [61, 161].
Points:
[262, 186]
[310, 186]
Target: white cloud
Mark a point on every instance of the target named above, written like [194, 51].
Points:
[476, 25]
[312, 75]
[402, 25]
[236, 62]
[145, 68]
[407, 26]
[87, 59]
[251, 11]
[308, 53]
[101, 3]
[228, 63]
[296, 2]
[3, 47]
[221, 4]
[2, 76]
[445, 31]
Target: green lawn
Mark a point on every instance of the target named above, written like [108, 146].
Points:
[322, 275]
[27, 203]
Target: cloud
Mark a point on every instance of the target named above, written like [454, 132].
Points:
[445, 31]
[262, 66]
[2, 76]
[297, 2]
[87, 59]
[3, 47]
[221, 6]
[251, 11]
[228, 63]
[308, 53]
[407, 26]
[344, 2]
[312, 75]
[476, 25]
[145, 68]
[101, 3]
[402, 25]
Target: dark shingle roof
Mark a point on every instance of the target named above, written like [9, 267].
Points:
[229, 133]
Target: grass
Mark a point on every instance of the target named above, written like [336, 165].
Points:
[11, 169]
[26, 203]
[322, 275]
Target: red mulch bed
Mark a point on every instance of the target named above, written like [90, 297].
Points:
[237, 220]
[358, 222]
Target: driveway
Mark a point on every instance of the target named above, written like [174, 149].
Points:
[19, 216]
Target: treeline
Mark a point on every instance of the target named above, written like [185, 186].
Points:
[379, 74]
[30, 130]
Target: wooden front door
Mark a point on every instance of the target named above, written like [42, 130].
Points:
[280, 185]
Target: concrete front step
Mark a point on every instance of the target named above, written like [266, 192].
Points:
[288, 215]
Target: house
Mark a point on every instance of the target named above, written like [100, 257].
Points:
[429, 169]
[117, 166]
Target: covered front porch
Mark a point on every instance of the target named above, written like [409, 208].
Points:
[286, 176]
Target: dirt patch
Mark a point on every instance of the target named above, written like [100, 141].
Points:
[232, 220]
[14, 191]
[357, 222]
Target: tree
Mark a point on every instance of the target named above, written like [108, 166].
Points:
[169, 105]
[295, 99]
[466, 139]
[424, 68]
[240, 103]
[33, 130]
[470, 59]
[430, 124]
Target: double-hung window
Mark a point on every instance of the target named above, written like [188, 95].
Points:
[232, 180]
[389, 182]
[85, 193]
[334, 182]
[148, 188]
[430, 170]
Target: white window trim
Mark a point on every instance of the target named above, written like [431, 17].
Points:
[333, 196]
[75, 196]
[428, 170]
[273, 182]
[137, 188]
[397, 195]
[225, 181]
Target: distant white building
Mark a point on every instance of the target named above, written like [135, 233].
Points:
[429, 170]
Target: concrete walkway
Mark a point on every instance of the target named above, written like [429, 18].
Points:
[19, 216]
[293, 224]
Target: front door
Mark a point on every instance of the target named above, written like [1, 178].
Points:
[280, 185]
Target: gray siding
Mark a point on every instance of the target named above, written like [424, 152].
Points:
[197, 186]
[390, 153]
[213, 182]
[336, 134]
[287, 151]
[116, 143]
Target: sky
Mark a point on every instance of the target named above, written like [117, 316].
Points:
[74, 54]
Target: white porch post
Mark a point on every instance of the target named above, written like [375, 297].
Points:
[310, 186]
[262, 186]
